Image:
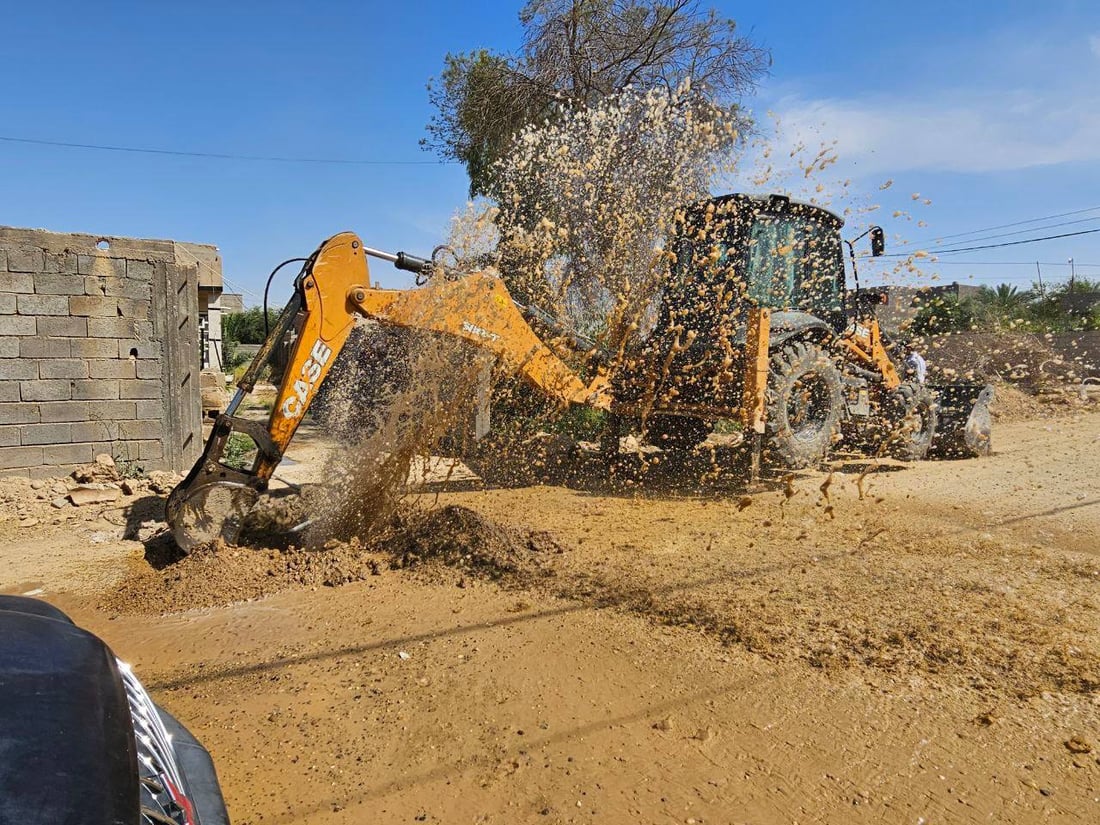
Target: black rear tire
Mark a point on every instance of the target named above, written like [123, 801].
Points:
[804, 398]
[914, 420]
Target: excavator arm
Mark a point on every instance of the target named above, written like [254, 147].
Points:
[333, 288]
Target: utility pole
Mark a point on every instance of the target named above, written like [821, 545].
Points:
[1072, 275]
[1042, 293]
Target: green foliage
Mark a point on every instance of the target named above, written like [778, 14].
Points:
[234, 356]
[1057, 308]
[574, 54]
[944, 314]
[247, 327]
[238, 448]
[580, 423]
[480, 106]
[1078, 287]
[128, 469]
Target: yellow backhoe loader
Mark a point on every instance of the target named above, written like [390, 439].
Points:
[756, 325]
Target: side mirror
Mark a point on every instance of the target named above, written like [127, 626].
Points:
[878, 241]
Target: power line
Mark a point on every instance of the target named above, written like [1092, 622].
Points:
[866, 261]
[1020, 223]
[995, 245]
[1032, 229]
[223, 155]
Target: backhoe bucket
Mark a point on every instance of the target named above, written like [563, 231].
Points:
[965, 428]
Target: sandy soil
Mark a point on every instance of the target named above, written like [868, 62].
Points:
[915, 644]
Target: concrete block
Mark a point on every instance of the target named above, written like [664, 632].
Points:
[30, 434]
[96, 285]
[139, 349]
[102, 389]
[113, 287]
[112, 328]
[25, 259]
[139, 389]
[7, 303]
[42, 305]
[93, 305]
[93, 348]
[101, 265]
[137, 290]
[16, 282]
[108, 412]
[124, 450]
[9, 436]
[148, 368]
[17, 369]
[149, 450]
[128, 288]
[98, 431]
[114, 368]
[138, 430]
[58, 284]
[19, 325]
[18, 413]
[11, 457]
[139, 270]
[47, 472]
[61, 263]
[147, 409]
[130, 308]
[9, 347]
[53, 390]
[63, 368]
[114, 410]
[9, 391]
[63, 327]
[67, 454]
[65, 411]
[43, 347]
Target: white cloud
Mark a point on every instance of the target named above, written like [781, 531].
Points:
[1014, 100]
[986, 132]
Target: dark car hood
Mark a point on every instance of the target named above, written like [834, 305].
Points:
[66, 750]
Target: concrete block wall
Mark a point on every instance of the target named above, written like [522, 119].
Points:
[98, 352]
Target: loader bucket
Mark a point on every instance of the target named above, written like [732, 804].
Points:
[965, 428]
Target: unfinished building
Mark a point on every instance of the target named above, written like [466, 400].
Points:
[102, 340]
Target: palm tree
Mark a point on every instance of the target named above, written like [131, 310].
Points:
[1003, 304]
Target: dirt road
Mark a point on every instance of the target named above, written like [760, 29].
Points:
[916, 644]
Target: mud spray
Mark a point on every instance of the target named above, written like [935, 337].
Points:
[397, 395]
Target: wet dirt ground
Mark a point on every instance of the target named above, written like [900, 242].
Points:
[888, 643]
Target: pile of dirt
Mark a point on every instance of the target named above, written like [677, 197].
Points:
[1013, 404]
[1022, 358]
[457, 537]
[218, 574]
[431, 541]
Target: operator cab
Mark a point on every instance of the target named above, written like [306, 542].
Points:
[730, 253]
[770, 251]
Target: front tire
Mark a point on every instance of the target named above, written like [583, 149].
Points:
[914, 421]
[804, 399]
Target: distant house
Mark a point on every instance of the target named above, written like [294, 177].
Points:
[232, 303]
[209, 263]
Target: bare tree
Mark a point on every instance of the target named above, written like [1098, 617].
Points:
[576, 53]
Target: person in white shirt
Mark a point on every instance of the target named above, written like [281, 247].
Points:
[915, 364]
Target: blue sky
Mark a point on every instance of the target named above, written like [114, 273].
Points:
[990, 110]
